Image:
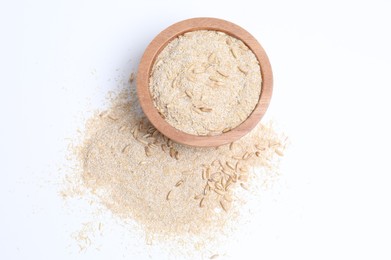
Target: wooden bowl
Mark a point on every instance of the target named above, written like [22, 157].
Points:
[194, 24]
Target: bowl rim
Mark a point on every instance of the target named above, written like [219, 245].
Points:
[161, 41]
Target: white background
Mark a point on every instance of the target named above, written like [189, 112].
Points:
[332, 67]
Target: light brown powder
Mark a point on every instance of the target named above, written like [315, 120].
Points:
[168, 188]
[205, 82]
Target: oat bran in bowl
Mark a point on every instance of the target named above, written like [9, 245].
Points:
[204, 82]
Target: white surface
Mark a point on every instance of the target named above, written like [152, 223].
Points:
[331, 62]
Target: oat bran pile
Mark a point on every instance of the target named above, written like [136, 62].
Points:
[169, 189]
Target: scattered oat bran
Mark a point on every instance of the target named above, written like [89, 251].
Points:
[205, 82]
[171, 190]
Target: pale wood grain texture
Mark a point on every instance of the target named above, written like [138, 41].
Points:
[157, 45]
